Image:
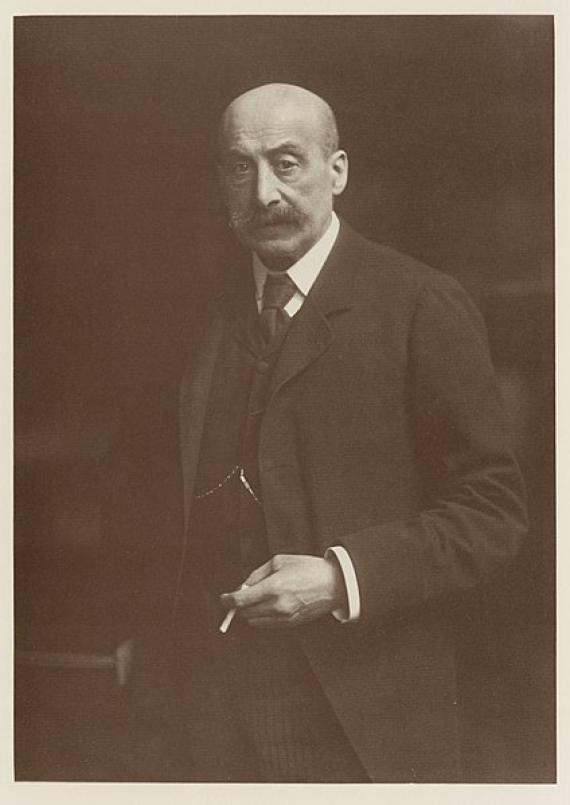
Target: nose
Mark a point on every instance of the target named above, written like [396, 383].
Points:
[267, 189]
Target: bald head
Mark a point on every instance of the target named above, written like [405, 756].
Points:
[282, 102]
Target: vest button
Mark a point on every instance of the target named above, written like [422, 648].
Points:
[262, 367]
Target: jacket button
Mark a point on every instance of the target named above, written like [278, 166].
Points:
[262, 367]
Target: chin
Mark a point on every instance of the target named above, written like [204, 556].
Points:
[276, 254]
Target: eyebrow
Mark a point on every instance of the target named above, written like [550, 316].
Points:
[288, 146]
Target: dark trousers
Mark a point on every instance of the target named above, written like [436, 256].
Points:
[253, 710]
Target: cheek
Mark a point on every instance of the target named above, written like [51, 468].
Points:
[301, 198]
[237, 195]
[313, 194]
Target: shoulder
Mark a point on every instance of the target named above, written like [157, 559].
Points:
[405, 291]
[381, 264]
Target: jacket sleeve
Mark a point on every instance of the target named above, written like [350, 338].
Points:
[475, 514]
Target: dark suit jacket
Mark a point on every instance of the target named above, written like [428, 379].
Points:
[384, 433]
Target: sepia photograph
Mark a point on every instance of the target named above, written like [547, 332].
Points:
[284, 431]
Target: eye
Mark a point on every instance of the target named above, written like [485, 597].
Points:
[239, 168]
[286, 165]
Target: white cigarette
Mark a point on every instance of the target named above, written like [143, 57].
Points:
[230, 615]
[225, 624]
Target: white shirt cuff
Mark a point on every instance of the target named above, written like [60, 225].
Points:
[350, 582]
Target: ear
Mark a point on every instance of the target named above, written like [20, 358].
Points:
[339, 168]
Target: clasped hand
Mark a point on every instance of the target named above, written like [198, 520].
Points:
[288, 590]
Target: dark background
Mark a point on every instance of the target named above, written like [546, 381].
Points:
[448, 125]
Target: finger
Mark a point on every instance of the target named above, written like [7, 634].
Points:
[228, 600]
[265, 609]
[255, 578]
[271, 623]
[277, 621]
[260, 573]
[225, 599]
[249, 595]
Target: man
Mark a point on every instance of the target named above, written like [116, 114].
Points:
[347, 480]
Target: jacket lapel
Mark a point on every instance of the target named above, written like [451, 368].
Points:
[310, 333]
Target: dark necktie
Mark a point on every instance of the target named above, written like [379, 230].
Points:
[277, 292]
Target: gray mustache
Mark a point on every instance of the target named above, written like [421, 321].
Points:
[257, 220]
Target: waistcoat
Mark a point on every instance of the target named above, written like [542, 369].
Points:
[227, 527]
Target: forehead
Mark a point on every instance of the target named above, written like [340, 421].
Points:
[259, 126]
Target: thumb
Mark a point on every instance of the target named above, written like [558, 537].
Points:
[259, 574]
[228, 599]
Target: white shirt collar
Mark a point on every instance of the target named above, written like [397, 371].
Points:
[306, 270]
